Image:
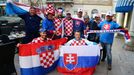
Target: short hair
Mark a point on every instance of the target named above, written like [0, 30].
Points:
[77, 31]
[86, 16]
[32, 7]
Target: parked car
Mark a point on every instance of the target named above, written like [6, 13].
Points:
[10, 23]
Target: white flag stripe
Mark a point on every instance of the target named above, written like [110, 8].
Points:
[92, 50]
[34, 60]
[29, 61]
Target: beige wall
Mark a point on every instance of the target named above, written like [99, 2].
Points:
[89, 8]
[94, 2]
[87, 5]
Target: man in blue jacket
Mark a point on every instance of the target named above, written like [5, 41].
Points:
[106, 39]
[48, 24]
[32, 25]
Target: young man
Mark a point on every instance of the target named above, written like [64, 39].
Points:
[94, 26]
[57, 21]
[71, 25]
[32, 25]
[48, 24]
[42, 37]
[78, 40]
[79, 14]
[106, 39]
[67, 27]
[90, 26]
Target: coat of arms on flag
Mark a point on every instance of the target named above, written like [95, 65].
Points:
[78, 60]
[46, 55]
[39, 58]
[70, 60]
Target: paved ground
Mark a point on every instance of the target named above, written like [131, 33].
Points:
[123, 62]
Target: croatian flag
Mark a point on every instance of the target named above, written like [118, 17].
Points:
[78, 60]
[39, 58]
[13, 8]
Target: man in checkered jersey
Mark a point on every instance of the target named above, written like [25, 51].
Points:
[78, 41]
[70, 25]
[57, 21]
[42, 38]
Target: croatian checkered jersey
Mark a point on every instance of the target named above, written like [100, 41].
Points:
[80, 42]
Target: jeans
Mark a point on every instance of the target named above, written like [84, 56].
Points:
[107, 52]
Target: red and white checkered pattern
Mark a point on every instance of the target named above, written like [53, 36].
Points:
[47, 59]
[57, 22]
[68, 24]
[50, 9]
[37, 40]
[78, 43]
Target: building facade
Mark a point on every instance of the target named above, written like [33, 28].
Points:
[89, 6]
[124, 10]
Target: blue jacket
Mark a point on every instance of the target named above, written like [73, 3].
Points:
[78, 25]
[48, 24]
[32, 23]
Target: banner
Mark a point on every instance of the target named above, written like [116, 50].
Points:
[78, 60]
[121, 31]
[39, 58]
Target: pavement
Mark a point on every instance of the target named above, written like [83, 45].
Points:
[123, 62]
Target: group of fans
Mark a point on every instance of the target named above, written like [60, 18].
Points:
[56, 26]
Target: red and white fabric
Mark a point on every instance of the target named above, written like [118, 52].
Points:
[78, 43]
[57, 22]
[37, 40]
[50, 9]
[47, 59]
[68, 25]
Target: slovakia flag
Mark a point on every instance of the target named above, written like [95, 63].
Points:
[39, 58]
[78, 60]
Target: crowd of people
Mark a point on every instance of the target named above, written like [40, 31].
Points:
[74, 28]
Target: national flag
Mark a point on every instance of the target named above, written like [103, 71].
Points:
[39, 58]
[13, 8]
[78, 60]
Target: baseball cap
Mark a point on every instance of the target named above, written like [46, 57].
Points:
[79, 10]
[42, 30]
[96, 15]
[109, 13]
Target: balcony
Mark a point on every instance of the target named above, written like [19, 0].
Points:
[59, 1]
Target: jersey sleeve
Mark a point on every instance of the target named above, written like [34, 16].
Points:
[116, 25]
